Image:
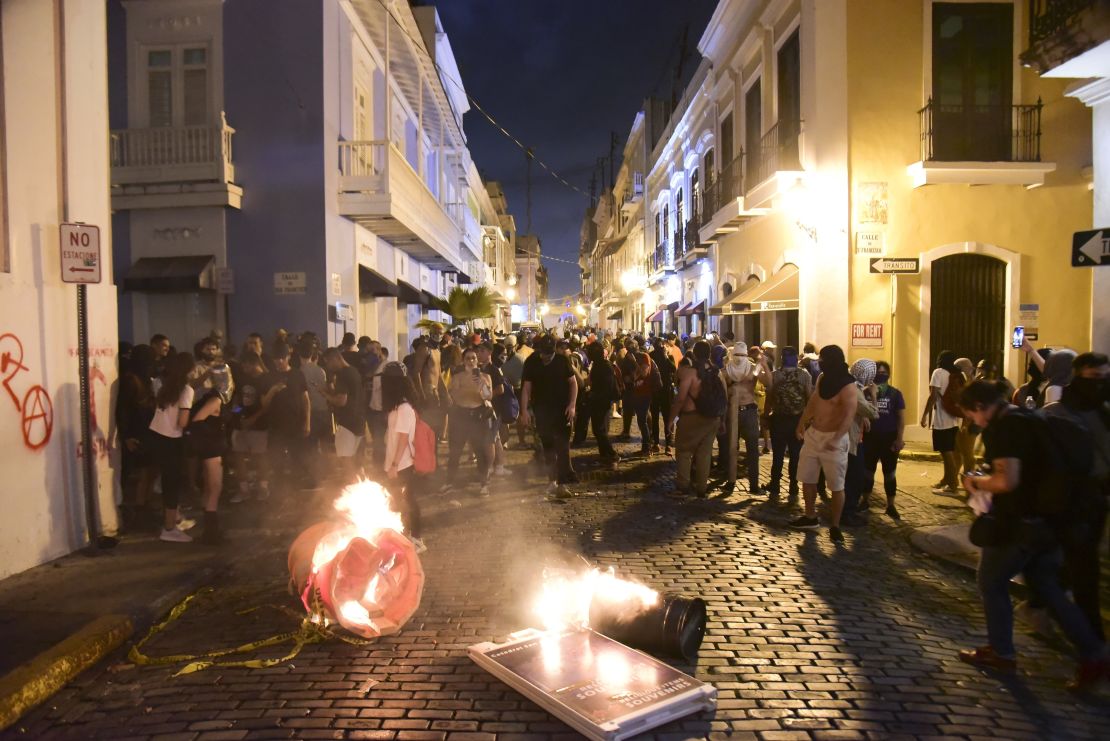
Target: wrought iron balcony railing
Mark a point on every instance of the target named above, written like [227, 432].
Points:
[728, 185]
[778, 150]
[980, 133]
[1046, 17]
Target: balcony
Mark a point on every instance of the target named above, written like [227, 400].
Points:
[662, 261]
[173, 166]
[1067, 38]
[980, 145]
[379, 190]
[693, 246]
[724, 204]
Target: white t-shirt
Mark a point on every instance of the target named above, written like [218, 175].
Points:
[402, 420]
[165, 420]
[942, 420]
[1053, 393]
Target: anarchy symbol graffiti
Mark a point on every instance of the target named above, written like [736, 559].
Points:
[37, 418]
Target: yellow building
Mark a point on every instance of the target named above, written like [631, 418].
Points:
[860, 131]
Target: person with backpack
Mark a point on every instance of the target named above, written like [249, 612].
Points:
[402, 481]
[741, 374]
[663, 398]
[1014, 534]
[701, 404]
[1085, 402]
[942, 414]
[787, 397]
[886, 438]
[823, 430]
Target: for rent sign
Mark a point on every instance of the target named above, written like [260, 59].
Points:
[867, 335]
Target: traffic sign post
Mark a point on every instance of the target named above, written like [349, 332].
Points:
[80, 262]
[895, 265]
[1090, 249]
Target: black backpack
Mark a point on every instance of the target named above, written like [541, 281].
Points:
[1068, 457]
[712, 400]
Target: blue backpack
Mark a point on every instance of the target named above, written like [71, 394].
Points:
[506, 405]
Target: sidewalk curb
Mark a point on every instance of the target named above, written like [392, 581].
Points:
[924, 456]
[35, 681]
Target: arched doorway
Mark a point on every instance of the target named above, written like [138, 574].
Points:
[968, 303]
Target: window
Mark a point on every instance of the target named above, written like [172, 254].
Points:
[972, 96]
[177, 86]
[753, 130]
[678, 209]
[790, 101]
[695, 194]
[666, 220]
[726, 140]
[707, 166]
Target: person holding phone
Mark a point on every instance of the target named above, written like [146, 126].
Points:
[471, 418]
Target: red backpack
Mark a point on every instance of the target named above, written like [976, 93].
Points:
[423, 448]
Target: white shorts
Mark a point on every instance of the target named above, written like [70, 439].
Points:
[346, 442]
[815, 457]
[250, 441]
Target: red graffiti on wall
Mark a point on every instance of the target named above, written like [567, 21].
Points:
[35, 408]
[98, 438]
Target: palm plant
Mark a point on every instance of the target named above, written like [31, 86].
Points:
[466, 306]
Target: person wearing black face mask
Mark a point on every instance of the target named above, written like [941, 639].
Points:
[884, 440]
[1085, 401]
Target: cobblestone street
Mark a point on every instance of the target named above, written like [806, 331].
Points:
[805, 639]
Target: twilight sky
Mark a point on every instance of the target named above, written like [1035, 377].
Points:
[560, 75]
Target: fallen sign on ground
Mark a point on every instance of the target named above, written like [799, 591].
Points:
[599, 687]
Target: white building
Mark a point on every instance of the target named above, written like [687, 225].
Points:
[53, 169]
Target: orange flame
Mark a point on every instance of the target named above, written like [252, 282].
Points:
[365, 508]
[565, 598]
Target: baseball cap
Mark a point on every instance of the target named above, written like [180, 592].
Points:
[768, 345]
[395, 368]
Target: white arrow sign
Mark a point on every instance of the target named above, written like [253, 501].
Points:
[1093, 248]
[895, 265]
[1090, 248]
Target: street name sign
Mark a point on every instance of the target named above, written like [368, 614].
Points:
[290, 283]
[80, 253]
[1091, 248]
[895, 265]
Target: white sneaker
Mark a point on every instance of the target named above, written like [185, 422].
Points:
[502, 471]
[185, 523]
[175, 536]
[484, 490]
[418, 545]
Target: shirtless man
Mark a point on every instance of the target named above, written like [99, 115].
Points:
[695, 433]
[823, 430]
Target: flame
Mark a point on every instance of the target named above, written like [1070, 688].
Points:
[365, 508]
[565, 599]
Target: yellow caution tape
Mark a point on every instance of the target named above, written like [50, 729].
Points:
[313, 629]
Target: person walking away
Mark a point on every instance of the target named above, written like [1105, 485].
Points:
[885, 440]
[1086, 401]
[1022, 541]
[250, 440]
[741, 374]
[401, 480]
[345, 399]
[550, 392]
[697, 424]
[787, 397]
[173, 399]
[320, 423]
[966, 432]
[513, 370]
[942, 415]
[290, 421]
[823, 430]
[863, 370]
[627, 365]
[663, 398]
[470, 419]
[603, 392]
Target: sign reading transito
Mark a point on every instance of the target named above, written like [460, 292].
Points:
[1089, 249]
[892, 265]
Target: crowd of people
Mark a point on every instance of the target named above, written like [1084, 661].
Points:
[294, 414]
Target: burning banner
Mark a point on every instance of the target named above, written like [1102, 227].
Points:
[357, 569]
[579, 668]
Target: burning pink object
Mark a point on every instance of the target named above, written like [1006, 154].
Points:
[359, 569]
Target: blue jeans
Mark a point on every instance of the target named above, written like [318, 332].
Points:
[1041, 568]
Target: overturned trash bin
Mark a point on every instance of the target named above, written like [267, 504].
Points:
[599, 687]
[674, 626]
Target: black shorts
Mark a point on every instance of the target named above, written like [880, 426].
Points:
[206, 439]
[944, 441]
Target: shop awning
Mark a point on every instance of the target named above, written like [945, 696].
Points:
[428, 300]
[778, 293]
[725, 305]
[407, 293]
[685, 310]
[373, 283]
[616, 316]
[179, 274]
[463, 279]
[673, 306]
[698, 308]
[658, 316]
[610, 247]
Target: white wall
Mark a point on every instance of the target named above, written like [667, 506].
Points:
[42, 497]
